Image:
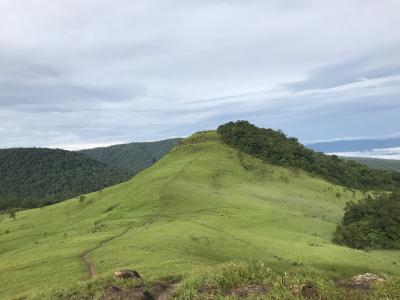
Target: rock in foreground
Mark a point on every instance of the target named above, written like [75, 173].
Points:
[127, 274]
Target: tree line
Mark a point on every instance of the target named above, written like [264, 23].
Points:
[276, 148]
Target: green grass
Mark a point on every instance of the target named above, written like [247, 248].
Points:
[225, 280]
[201, 205]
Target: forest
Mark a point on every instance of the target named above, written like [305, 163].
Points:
[134, 157]
[33, 177]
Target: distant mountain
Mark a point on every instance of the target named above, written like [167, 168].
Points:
[354, 145]
[31, 177]
[377, 163]
[134, 157]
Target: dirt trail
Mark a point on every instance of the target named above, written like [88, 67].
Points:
[90, 268]
[85, 256]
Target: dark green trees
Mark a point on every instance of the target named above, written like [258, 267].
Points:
[275, 147]
[134, 157]
[373, 222]
[34, 177]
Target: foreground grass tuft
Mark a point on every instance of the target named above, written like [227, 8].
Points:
[255, 281]
[92, 289]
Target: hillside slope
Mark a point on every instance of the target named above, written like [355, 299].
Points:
[134, 157]
[202, 204]
[31, 177]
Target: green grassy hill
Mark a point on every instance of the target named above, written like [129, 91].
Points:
[31, 177]
[202, 204]
[134, 157]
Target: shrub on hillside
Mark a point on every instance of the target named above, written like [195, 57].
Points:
[373, 222]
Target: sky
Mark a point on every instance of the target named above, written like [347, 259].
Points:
[83, 73]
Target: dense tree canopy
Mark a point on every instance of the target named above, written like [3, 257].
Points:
[31, 177]
[373, 222]
[275, 147]
[134, 157]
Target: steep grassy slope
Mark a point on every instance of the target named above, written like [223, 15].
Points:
[202, 204]
[134, 157]
[378, 163]
[30, 177]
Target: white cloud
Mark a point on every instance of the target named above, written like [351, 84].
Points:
[94, 72]
[386, 153]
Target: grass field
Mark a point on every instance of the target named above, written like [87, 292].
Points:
[200, 205]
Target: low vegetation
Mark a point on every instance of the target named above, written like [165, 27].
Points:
[231, 280]
[257, 281]
[372, 222]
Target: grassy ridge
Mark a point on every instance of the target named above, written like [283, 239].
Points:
[201, 205]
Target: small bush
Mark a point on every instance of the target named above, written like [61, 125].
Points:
[373, 223]
[82, 199]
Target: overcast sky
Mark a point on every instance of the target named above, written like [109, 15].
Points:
[81, 73]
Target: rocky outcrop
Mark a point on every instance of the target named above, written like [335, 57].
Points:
[362, 281]
[127, 274]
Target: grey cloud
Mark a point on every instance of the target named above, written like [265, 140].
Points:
[345, 73]
[30, 86]
[95, 72]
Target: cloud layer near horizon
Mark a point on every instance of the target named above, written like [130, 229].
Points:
[84, 73]
[384, 153]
